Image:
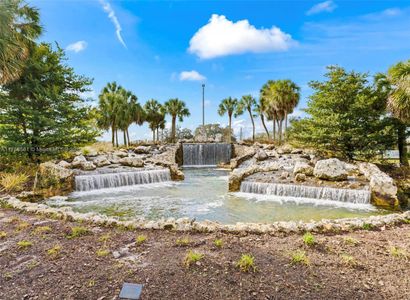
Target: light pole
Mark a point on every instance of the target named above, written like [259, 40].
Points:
[203, 104]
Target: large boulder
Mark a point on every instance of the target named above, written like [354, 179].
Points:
[302, 167]
[64, 164]
[142, 149]
[261, 155]
[87, 166]
[330, 169]
[53, 175]
[77, 161]
[120, 153]
[132, 162]
[238, 175]
[101, 161]
[176, 174]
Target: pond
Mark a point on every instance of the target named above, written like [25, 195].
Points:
[204, 195]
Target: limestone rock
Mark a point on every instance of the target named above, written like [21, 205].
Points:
[132, 162]
[87, 166]
[64, 164]
[300, 177]
[330, 169]
[120, 153]
[142, 149]
[261, 155]
[50, 169]
[303, 168]
[77, 161]
[101, 161]
[176, 174]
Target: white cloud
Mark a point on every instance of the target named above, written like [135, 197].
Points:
[111, 14]
[326, 6]
[191, 76]
[222, 37]
[77, 46]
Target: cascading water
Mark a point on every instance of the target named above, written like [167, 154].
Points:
[210, 154]
[301, 191]
[111, 180]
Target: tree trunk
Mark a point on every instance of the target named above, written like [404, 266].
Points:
[280, 123]
[153, 135]
[401, 143]
[253, 125]
[173, 132]
[274, 129]
[113, 134]
[286, 123]
[264, 125]
[128, 137]
[157, 134]
[116, 137]
[230, 129]
[125, 138]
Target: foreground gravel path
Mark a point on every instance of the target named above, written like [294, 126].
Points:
[359, 265]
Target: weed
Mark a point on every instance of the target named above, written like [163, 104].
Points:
[192, 257]
[8, 276]
[218, 243]
[348, 260]
[398, 252]
[91, 283]
[11, 182]
[22, 226]
[102, 252]
[104, 238]
[367, 226]
[141, 239]
[3, 234]
[41, 230]
[14, 220]
[33, 264]
[78, 231]
[24, 244]
[246, 263]
[308, 239]
[299, 257]
[183, 242]
[351, 241]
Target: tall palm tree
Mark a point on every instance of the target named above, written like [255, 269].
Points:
[260, 111]
[247, 103]
[19, 27]
[397, 85]
[228, 106]
[153, 115]
[129, 111]
[176, 108]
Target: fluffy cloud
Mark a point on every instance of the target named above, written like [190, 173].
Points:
[222, 37]
[111, 14]
[77, 46]
[327, 6]
[191, 76]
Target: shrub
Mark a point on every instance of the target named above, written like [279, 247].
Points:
[11, 182]
[24, 244]
[102, 252]
[78, 231]
[398, 252]
[42, 229]
[299, 257]
[104, 238]
[308, 239]
[3, 234]
[348, 260]
[246, 263]
[141, 239]
[55, 251]
[192, 257]
[367, 226]
[351, 241]
[22, 226]
[218, 243]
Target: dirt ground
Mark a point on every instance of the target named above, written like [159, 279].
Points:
[360, 265]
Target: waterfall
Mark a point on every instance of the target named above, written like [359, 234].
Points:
[210, 154]
[301, 191]
[111, 180]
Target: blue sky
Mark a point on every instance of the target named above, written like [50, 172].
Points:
[167, 49]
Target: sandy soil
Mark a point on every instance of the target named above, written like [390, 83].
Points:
[360, 265]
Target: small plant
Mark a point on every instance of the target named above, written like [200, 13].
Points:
[91, 283]
[351, 241]
[299, 257]
[33, 264]
[11, 182]
[102, 252]
[183, 242]
[218, 243]
[55, 251]
[398, 252]
[85, 151]
[348, 260]
[367, 226]
[308, 239]
[14, 220]
[3, 235]
[41, 230]
[246, 263]
[24, 244]
[141, 239]
[104, 238]
[22, 226]
[78, 231]
[192, 257]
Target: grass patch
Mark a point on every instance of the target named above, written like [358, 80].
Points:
[141, 239]
[78, 231]
[398, 252]
[299, 257]
[22, 226]
[218, 243]
[348, 260]
[11, 182]
[24, 244]
[102, 252]
[308, 239]
[104, 238]
[192, 257]
[367, 226]
[183, 242]
[351, 241]
[42, 230]
[246, 263]
[55, 251]
[3, 235]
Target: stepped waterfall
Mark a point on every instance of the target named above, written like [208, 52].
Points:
[291, 190]
[210, 154]
[111, 180]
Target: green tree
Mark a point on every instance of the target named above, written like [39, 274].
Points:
[346, 117]
[260, 111]
[176, 109]
[228, 106]
[247, 103]
[19, 27]
[42, 111]
[396, 86]
[155, 116]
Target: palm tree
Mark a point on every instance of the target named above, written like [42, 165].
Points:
[129, 111]
[176, 108]
[248, 103]
[19, 27]
[228, 106]
[397, 86]
[153, 115]
[260, 110]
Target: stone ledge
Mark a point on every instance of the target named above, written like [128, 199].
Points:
[187, 224]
